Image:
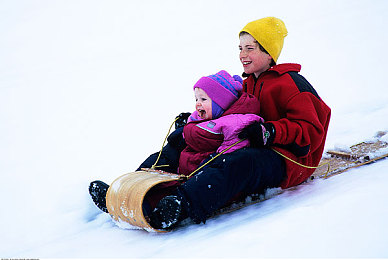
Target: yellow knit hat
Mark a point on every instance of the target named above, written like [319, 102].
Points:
[270, 33]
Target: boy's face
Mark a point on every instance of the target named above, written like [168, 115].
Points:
[203, 104]
[252, 58]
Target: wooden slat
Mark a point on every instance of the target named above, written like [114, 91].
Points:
[125, 196]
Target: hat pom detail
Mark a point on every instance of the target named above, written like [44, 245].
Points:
[238, 78]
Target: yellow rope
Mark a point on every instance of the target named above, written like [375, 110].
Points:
[284, 156]
[160, 153]
[203, 165]
[328, 168]
[188, 176]
[222, 152]
[288, 158]
[302, 165]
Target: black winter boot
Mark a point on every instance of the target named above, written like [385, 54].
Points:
[97, 190]
[167, 213]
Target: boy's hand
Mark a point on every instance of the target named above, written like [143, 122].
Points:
[259, 134]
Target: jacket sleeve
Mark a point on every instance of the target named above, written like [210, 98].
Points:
[232, 125]
[302, 130]
[176, 140]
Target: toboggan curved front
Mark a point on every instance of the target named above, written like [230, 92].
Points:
[125, 196]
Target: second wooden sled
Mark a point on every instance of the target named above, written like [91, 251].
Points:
[125, 196]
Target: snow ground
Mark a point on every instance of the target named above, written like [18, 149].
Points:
[88, 89]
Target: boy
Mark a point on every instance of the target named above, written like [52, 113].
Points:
[284, 149]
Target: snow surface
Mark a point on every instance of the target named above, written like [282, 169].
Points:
[88, 89]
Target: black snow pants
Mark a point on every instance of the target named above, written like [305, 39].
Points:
[240, 173]
[170, 153]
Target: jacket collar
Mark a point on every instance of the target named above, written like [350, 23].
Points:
[280, 69]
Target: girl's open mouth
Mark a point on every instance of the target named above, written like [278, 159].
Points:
[201, 113]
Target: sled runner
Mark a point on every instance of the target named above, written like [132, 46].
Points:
[125, 196]
[337, 162]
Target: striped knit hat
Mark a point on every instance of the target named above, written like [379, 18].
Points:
[222, 88]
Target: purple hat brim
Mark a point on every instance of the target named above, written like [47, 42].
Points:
[223, 97]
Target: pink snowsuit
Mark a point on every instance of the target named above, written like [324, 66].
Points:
[204, 137]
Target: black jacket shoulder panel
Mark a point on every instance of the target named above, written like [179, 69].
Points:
[302, 84]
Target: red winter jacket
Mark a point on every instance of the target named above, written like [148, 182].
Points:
[300, 117]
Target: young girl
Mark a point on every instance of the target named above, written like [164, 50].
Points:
[222, 111]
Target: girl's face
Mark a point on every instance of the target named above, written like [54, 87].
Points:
[252, 58]
[203, 104]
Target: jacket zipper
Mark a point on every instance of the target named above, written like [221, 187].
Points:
[254, 87]
[261, 86]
